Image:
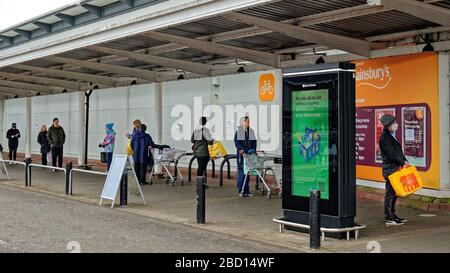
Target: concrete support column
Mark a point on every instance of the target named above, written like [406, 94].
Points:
[28, 127]
[81, 127]
[444, 111]
[158, 112]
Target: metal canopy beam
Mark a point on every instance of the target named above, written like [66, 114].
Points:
[68, 74]
[97, 11]
[116, 69]
[46, 81]
[24, 33]
[421, 10]
[45, 27]
[198, 68]
[7, 39]
[28, 86]
[351, 45]
[255, 56]
[66, 18]
[14, 91]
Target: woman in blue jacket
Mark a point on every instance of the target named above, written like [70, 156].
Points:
[141, 144]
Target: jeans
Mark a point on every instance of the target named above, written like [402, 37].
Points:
[241, 176]
[57, 154]
[109, 157]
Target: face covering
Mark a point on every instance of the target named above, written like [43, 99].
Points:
[394, 127]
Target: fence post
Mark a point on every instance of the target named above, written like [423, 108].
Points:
[314, 219]
[27, 172]
[69, 167]
[201, 198]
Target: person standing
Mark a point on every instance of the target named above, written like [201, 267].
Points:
[56, 137]
[141, 142]
[13, 136]
[45, 145]
[200, 139]
[108, 143]
[245, 142]
[393, 160]
[136, 126]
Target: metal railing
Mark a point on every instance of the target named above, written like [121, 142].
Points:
[206, 171]
[28, 170]
[176, 170]
[226, 160]
[70, 183]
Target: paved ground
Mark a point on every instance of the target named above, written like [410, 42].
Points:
[246, 220]
[33, 222]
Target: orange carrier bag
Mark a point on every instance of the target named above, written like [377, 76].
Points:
[406, 181]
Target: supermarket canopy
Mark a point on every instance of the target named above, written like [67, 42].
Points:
[112, 43]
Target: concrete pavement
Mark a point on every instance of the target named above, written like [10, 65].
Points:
[250, 219]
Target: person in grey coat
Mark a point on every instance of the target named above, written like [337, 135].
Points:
[200, 139]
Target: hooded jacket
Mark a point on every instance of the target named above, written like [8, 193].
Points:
[56, 136]
[141, 144]
[109, 141]
[13, 136]
[43, 141]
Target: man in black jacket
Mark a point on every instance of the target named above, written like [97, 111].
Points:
[393, 160]
[13, 136]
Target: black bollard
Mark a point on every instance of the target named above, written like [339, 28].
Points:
[201, 187]
[124, 190]
[314, 219]
[69, 167]
[27, 172]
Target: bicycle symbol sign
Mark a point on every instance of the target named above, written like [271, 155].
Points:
[266, 88]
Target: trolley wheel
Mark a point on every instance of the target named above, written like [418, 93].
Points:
[269, 195]
[280, 194]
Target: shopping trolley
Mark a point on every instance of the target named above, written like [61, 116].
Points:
[165, 156]
[255, 165]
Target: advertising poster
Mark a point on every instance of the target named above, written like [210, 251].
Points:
[379, 130]
[414, 128]
[408, 86]
[310, 143]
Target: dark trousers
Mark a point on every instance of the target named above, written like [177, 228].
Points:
[13, 154]
[109, 157]
[202, 162]
[389, 200]
[141, 171]
[44, 158]
[57, 154]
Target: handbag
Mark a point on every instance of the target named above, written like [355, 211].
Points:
[406, 181]
[103, 157]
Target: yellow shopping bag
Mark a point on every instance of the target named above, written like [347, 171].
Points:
[406, 181]
[129, 150]
[216, 150]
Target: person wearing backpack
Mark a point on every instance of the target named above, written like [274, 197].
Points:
[201, 138]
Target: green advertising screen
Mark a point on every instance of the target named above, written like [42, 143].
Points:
[310, 142]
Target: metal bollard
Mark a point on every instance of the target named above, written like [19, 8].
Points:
[124, 190]
[27, 172]
[201, 188]
[314, 219]
[69, 167]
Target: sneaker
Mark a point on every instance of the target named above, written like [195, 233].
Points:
[400, 219]
[250, 194]
[392, 222]
[144, 183]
